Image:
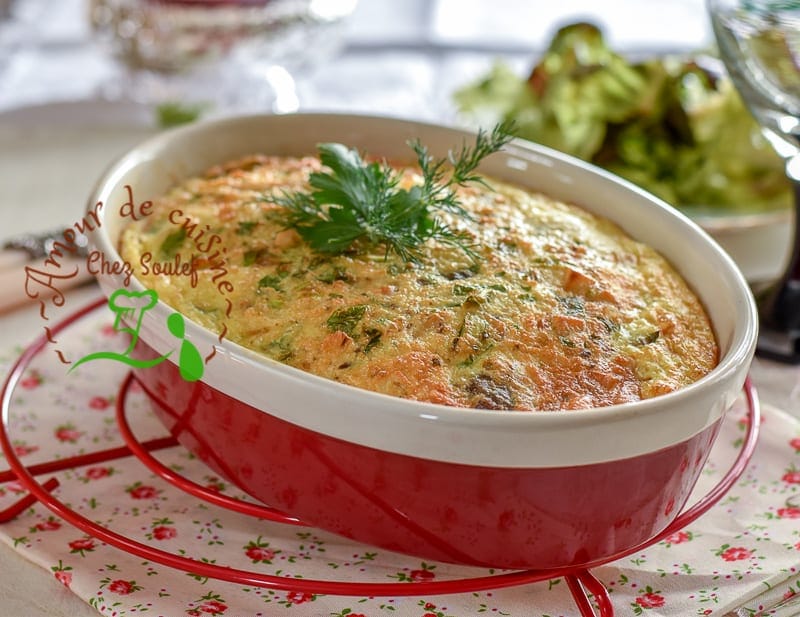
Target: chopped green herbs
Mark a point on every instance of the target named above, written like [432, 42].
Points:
[463, 273]
[255, 256]
[270, 280]
[373, 338]
[346, 319]
[173, 242]
[280, 349]
[245, 228]
[572, 305]
[334, 274]
[358, 203]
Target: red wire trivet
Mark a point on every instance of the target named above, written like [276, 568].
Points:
[581, 582]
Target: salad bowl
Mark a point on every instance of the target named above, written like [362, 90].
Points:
[672, 124]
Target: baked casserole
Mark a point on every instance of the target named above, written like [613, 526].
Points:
[553, 308]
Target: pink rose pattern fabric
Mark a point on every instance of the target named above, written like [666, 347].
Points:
[749, 542]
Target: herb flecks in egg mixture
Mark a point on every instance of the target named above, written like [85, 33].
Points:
[548, 308]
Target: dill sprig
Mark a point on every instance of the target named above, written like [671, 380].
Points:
[355, 202]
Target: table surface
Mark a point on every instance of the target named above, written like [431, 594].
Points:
[403, 58]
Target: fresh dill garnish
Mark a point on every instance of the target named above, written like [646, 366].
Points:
[359, 202]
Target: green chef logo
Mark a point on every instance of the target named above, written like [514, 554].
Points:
[129, 308]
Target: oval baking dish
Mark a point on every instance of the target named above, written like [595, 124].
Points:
[496, 488]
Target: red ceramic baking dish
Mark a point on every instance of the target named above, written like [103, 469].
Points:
[470, 486]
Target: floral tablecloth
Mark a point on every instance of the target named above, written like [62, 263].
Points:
[743, 555]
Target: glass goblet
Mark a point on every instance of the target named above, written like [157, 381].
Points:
[759, 42]
[233, 55]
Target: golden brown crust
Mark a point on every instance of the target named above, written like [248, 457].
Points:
[563, 311]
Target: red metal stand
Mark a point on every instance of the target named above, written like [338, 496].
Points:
[581, 582]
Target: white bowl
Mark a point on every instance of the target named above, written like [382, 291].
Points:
[759, 243]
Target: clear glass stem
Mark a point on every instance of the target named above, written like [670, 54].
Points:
[779, 306]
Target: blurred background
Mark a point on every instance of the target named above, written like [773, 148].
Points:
[401, 57]
[83, 80]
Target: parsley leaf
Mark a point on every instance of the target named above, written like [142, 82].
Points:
[359, 202]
